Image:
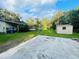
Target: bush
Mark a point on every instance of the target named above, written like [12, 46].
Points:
[54, 26]
[23, 28]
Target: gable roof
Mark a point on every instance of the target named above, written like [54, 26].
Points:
[17, 23]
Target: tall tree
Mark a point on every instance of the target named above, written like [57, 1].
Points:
[44, 23]
[37, 23]
[56, 17]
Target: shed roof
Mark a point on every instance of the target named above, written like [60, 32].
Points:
[11, 22]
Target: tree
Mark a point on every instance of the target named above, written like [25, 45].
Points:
[9, 16]
[55, 18]
[57, 15]
[37, 24]
[30, 22]
[44, 23]
[23, 27]
[33, 23]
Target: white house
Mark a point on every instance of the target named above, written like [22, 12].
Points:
[7, 26]
[64, 29]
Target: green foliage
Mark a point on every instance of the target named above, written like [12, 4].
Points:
[23, 27]
[31, 23]
[37, 24]
[44, 23]
[9, 16]
[56, 18]
[22, 36]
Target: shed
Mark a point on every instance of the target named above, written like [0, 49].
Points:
[64, 29]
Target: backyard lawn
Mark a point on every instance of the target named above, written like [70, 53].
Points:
[27, 35]
[16, 36]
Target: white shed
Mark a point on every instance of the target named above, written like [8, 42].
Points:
[64, 29]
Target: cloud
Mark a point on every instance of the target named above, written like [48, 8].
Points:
[27, 8]
[26, 3]
[48, 1]
[8, 4]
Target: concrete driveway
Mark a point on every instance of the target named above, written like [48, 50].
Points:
[44, 47]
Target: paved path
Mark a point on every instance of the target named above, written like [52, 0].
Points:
[44, 47]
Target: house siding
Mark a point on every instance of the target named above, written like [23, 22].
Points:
[4, 26]
[68, 30]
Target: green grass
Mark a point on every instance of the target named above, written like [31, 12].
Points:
[53, 33]
[16, 36]
[28, 35]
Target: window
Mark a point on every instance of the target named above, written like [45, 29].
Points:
[64, 28]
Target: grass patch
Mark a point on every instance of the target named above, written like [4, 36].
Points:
[53, 33]
[28, 35]
[16, 36]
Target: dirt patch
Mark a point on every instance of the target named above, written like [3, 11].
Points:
[8, 45]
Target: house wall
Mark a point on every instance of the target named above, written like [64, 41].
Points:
[3, 26]
[61, 30]
[8, 26]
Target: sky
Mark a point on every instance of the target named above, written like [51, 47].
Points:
[38, 8]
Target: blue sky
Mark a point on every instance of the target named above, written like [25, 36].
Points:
[38, 8]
